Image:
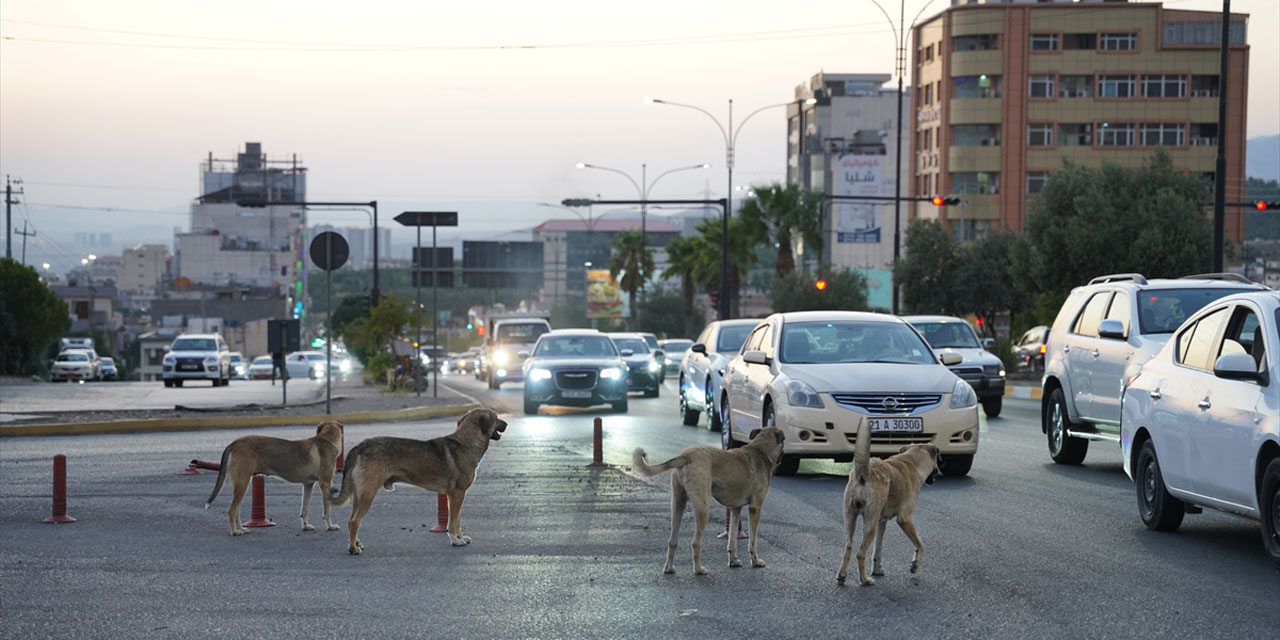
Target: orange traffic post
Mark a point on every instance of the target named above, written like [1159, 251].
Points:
[597, 452]
[258, 516]
[59, 492]
[442, 514]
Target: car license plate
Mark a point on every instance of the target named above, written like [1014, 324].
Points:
[576, 394]
[896, 425]
[190, 367]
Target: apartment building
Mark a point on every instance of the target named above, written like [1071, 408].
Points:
[143, 268]
[1006, 91]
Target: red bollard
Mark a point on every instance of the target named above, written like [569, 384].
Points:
[442, 514]
[59, 492]
[190, 470]
[597, 453]
[724, 535]
[258, 515]
[197, 465]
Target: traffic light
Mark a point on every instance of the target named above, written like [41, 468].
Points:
[820, 285]
[1263, 205]
[945, 201]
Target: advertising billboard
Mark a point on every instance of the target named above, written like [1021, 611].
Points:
[604, 297]
[858, 175]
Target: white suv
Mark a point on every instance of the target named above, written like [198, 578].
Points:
[1104, 333]
[197, 356]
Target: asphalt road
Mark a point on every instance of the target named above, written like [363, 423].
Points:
[1021, 548]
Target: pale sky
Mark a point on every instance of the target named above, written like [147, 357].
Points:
[115, 104]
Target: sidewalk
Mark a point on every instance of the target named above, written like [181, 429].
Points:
[1023, 387]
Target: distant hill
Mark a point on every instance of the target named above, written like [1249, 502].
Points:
[1263, 157]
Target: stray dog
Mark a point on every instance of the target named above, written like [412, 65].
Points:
[305, 461]
[735, 478]
[441, 465]
[880, 490]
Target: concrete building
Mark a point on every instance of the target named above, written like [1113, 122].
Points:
[569, 244]
[1006, 91]
[144, 268]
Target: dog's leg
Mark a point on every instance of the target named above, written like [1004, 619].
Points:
[678, 502]
[455, 521]
[306, 505]
[909, 527]
[360, 504]
[870, 523]
[239, 485]
[700, 514]
[328, 505]
[753, 512]
[877, 568]
[850, 525]
[735, 520]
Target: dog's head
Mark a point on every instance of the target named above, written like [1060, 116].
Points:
[330, 430]
[486, 421]
[770, 440]
[932, 452]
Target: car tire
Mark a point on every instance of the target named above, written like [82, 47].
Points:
[177, 383]
[168, 384]
[992, 406]
[494, 384]
[651, 393]
[1158, 510]
[620, 406]
[1269, 504]
[726, 430]
[531, 408]
[956, 464]
[713, 417]
[1063, 448]
[787, 466]
[688, 416]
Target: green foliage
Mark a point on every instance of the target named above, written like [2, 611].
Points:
[375, 370]
[631, 257]
[777, 215]
[846, 291]
[682, 259]
[662, 313]
[32, 318]
[347, 311]
[742, 243]
[1003, 349]
[925, 271]
[369, 337]
[570, 314]
[984, 282]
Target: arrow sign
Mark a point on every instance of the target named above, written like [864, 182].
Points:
[428, 218]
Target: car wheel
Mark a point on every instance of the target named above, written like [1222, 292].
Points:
[530, 408]
[956, 464]
[1269, 502]
[651, 393]
[992, 406]
[177, 383]
[726, 430]
[787, 466]
[168, 384]
[1159, 510]
[620, 406]
[1063, 448]
[494, 384]
[713, 417]
[688, 416]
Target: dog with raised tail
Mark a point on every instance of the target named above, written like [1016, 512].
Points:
[879, 491]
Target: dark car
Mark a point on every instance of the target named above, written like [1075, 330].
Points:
[673, 350]
[659, 353]
[1030, 349]
[574, 367]
[644, 369]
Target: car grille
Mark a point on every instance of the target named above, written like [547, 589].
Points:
[184, 362]
[576, 379]
[967, 371]
[893, 439]
[885, 404]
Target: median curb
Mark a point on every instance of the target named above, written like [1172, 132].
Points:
[1023, 393]
[151, 425]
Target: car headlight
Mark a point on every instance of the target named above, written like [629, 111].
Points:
[993, 370]
[501, 357]
[169, 360]
[612, 373]
[536, 375]
[800, 394]
[654, 366]
[211, 360]
[962, 395]
[345, 366]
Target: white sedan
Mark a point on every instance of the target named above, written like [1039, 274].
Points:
[816, 374]
[306, 364]
[1200, 422]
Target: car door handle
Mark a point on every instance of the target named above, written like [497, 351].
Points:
[1155, 394]
[1066, 348]
[1095, 353]
[1204, 404]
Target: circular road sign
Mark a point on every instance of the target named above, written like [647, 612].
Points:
[336, 254]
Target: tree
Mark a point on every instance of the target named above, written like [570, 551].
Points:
[741, 254]
[631, 258]
[984, 278]
[32, 317]
[1088, 222]
[664, 313]
[347, 311]
[682, 260]
[778, 214]
[926, 272]
[844, 290]
[1261, 224]
[369, 337]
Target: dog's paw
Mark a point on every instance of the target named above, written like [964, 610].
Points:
[735, 563]
[879, 572]
[307, 526]
[757, 563]
[700, 571]
[238, 532]
[866, 582]
[332, 527]
[459, 541]
[668, 570]
[915, 566]
[355, 549]
[840, 579]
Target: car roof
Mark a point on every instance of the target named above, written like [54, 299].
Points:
[625, 334]
[1266, 298]
[928, 318]
[837, 316]
[739, 321]
[572, 332]
[200, 335]
[1137, 281]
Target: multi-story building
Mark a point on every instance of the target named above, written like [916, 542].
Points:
[143, 268]
[571, 247]
[845, 144]
[1005, 92]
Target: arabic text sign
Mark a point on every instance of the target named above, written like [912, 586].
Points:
[858, 175]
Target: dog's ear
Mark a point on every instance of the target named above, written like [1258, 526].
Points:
[780, 436]
[320, 427]
[753, 434]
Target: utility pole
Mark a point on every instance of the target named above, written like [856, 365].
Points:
[1220, 164]
[8, 214]
[24, 235]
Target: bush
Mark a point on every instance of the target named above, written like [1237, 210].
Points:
[375, 371]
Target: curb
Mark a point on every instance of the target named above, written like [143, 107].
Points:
[153, 425]
[1023, 393]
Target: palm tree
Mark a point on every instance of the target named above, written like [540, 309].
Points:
[742, 243]
[632, 259]
[682, 259]
[778, 214]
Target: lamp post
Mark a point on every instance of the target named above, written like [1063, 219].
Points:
[591, 224]
[730, 140]
[93, 293]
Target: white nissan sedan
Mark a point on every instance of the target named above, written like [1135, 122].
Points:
[815, 374]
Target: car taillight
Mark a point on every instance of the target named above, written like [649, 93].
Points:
[1042, 348]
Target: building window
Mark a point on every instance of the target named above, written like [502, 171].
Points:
[1167, 134]
[984, 42]
[1204, 86]
[1080, 42]
[928, 93]
[1075, 86]
[1201, 33]
[1118, 42]
[975, 135]
[1112, 134]
[1166, 86]
[1036, 180]
[928, 53]
[928, 139]
[1041, 87]
[1117, 86]
[1040, 134]
[977, 182]
[1204, 134]
[976, 86]
[1044, 42]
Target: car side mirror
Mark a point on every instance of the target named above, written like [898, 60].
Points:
[166, 348]
[699, 348]
[1237, 366]
[950, 358]
[988, 343]
[627, 353]
[660, 354]
[1112, 329]
[523, 354]
[755, 356]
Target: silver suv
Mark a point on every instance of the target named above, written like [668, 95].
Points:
[197, 356]
[1104, 333]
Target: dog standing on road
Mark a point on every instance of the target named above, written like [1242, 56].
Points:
[880, 490]
[304, 462]
[735, 478]
[440, 465]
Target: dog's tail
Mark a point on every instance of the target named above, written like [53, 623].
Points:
[638, 460]
[339, 497]
[862, 452]
[222, 474]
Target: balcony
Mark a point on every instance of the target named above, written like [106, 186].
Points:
[976, 63]
[975, 111]
[973, 159]
[975, 207]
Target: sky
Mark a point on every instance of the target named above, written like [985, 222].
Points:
[107, 109]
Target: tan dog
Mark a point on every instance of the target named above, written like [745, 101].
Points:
[305, 461]
[441, 465]
[880, 490]
[735, 478]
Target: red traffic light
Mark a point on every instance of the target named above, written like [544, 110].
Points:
[820, 285]
[945, 201]
[937, 201]
[1261, 205]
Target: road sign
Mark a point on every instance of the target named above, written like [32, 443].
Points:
[329, 251]
[428, 218]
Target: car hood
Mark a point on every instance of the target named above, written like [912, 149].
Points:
[639, 360]
[972, 356]
[553, 364]
[873, 376]
[192, 354]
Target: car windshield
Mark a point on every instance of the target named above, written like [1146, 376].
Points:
[108, 362]
[676, 347]
[235, 357]
[575, 347]
[636, 345]
[849, 342]
[1164, 310]
[316, 356]
[195, 344]
[731, 338]
[651, 340]
[948, 335]
[73, 357]
[524, 332]
[262, 360]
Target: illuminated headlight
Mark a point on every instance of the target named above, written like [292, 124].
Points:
[612, 373]
[345, 366]
[800, 394]
[501, 357]
[502, 373]
[655, 366]
[318, 368]
[536, 375]
[169, 360]
[962, 395]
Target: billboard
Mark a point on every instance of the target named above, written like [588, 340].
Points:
[502, 265]
[604, 297]
[858, 175]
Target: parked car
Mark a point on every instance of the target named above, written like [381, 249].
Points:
[1030, 348]
[1200, 423]
[644, 370]
[261, 368]
[673, 353]
[197, 356]
[107, 369]
[1104, 332]
[658, 353]
[703, 367]
[817, 374]
[576, 367]
[76, 364]
[979, 367]
[239, 368]
[306, 364]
